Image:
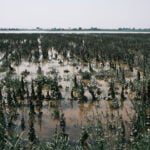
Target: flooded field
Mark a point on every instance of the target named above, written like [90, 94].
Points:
[76, 114]
[99, 94]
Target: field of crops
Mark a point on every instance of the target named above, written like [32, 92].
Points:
[75, 91]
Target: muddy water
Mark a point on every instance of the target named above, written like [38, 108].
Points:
[77, 115]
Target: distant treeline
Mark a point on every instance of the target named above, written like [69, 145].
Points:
[76, 29]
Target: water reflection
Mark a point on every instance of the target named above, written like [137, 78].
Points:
[43, 119]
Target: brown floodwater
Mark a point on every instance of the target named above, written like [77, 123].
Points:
[77, 114]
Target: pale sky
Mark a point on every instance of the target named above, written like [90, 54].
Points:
[74, 13]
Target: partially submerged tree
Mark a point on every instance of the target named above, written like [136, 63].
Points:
[83, 139]
[92, 93]
[2, 128]
[82, 98]
[122, 94]
[32, 91]
[111, 91]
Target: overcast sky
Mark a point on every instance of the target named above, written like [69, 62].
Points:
[75, 13]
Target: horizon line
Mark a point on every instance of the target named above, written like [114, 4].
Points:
[72, 28]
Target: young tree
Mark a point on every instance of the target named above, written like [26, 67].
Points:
[39, 95]
[123, 76]
[27, 90]
[9, 98]
[92, 93]
[31, 134]
[81, 96]
[14, 98]
[32, 91]
[48, 97]
[138, 76]
[112, 90]
[32, 111]
[83, 139]
[62, 123]
[1, 97]
[2, 128]
[122, 94]
[22, 124]
[75, 81]
[148, 92]
[39, 70]
[90, 68]
[22, 85]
